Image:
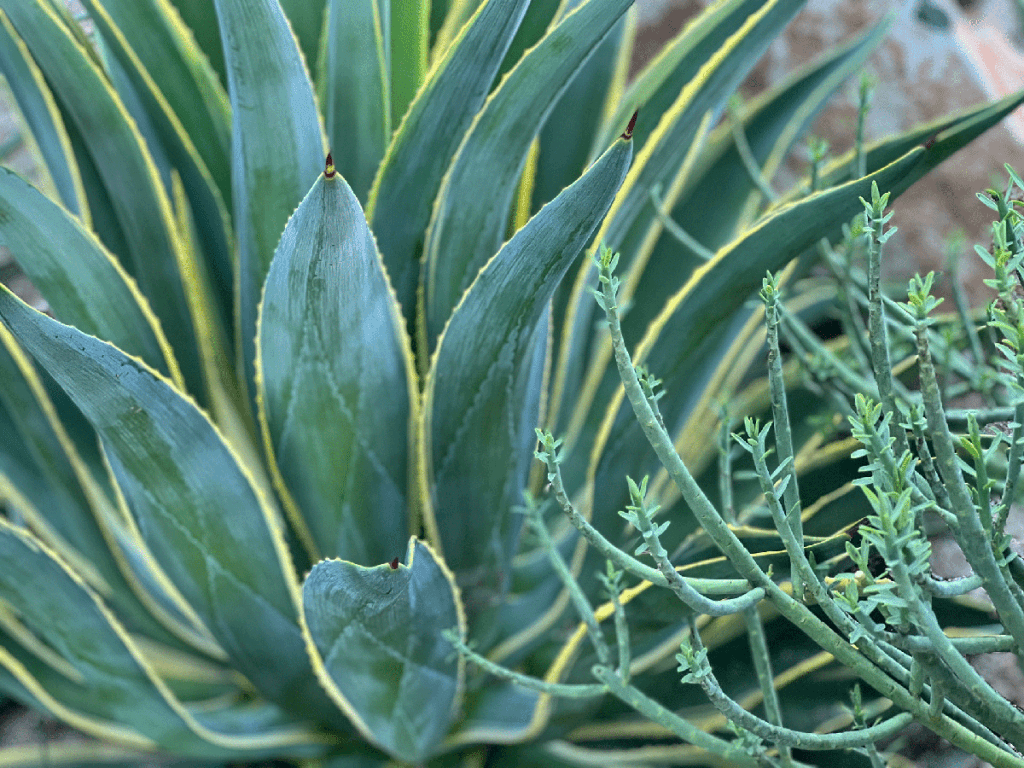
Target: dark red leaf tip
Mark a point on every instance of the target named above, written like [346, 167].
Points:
[329, 167]
[628, 134]
[394, 564]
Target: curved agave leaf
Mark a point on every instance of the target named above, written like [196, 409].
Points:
[678, 338]
[197, 509]
[375, 638]
[425, 142]
[128, 173]
[663, 79]
[354, 89]
[482, 394]
[567, 140]
[80, 280]
[472, 208]
[333, 360]
[715, 208]
[277, 148]
[632, 217]
[45, 482]
[108, 688]
[176, 132]
[200, 17]
[166, 51]
[42, 116]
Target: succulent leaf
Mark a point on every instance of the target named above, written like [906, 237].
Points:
[100, 680]
[138, 200]
[483, 391]
[43, 118]
[426, 140]
[197, 509]
[375, 638]
[273, 108]
[471, 214]
[333, 358]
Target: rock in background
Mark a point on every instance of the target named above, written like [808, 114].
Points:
[940, 57]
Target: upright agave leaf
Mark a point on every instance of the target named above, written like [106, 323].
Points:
[469, 220]
[277, 147]
[483, 392]
[425, 142]
[334, 359]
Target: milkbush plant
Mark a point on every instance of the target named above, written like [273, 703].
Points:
[341, 463]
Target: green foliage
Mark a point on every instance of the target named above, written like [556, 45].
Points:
[268, 378]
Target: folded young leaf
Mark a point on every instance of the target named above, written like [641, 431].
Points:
[375, 638]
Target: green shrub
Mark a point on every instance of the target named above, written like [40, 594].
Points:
[264, 474]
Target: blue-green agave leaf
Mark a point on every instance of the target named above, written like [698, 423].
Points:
[277, 148]
[51, 488]
[165, 49]
[200, 515]
[771, 125]
[306, 18]
[187, 136]
[632, 216]
[334, 360]
[567, 138]
[500, 713]
[472, 209]
[425, 142]
[103, 684]
[30, 91]
[130, 177]
[677, 339]
[83, 284]
[483, 390]
[200, 17]
[353, 86]
[375, 638]
[663, 79]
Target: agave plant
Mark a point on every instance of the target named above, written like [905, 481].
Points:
[273, 448]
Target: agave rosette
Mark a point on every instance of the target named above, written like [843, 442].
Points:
[275, 440]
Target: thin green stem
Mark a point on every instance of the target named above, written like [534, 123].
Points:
[692, 588]
[563, 690]
[973, 540]
[708, 517]
[739, 136]
[579, 600]
[780, 416]
[673, 228]
[787, 736]
[682, 728]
